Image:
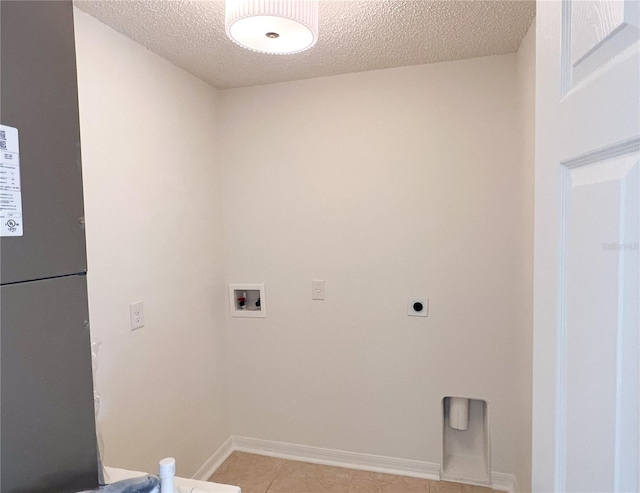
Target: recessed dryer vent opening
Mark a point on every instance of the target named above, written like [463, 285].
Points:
[247, 300]
[466, 456]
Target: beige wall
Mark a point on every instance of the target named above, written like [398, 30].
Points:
[526, 78]
[154, 234]
[385, 184]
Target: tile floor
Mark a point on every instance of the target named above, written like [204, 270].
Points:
[261, 474]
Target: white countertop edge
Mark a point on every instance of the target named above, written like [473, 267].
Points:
[182, 484]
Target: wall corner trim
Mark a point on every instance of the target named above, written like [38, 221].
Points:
[503, 481]
[351, 460]
[215, 461]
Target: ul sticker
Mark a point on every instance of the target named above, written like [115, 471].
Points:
[10, 188]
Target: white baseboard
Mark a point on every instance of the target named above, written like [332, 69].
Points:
[351, 460]
[503, 481]
[339, 458]
[215, 461]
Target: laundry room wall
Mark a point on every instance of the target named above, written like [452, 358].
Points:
[386, 185]
[153, 199]
[412, 181]
[526, 76]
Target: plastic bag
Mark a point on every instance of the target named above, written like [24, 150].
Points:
[145, 484]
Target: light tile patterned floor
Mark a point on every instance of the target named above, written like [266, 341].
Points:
[260, 474]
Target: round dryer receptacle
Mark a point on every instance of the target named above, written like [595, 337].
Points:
[418, 306]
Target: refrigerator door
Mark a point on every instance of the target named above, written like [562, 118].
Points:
[39, 97]
[48, 440]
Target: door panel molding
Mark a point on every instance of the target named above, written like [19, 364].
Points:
[599, 202]
[595, 32]
[629, 146]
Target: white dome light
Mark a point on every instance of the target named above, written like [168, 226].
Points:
[272, 26]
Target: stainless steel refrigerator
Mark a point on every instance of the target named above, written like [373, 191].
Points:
[47, 422]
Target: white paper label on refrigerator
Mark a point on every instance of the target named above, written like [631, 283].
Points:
[10, 189]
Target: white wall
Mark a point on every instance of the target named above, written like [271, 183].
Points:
[385, 184]
[526, 78]
[154, 233]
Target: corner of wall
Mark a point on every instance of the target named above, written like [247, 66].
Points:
[525, 69]
[154, 234]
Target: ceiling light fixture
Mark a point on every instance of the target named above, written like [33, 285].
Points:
[281, 27]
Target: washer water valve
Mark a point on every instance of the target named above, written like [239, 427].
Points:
[242, 301]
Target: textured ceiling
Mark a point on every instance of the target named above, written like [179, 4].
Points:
[354, 36]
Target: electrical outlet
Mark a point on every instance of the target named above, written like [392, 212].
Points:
[137, 315]
[317, 290]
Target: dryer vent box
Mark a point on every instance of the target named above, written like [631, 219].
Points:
[466, 455]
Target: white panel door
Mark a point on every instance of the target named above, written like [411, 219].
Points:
[586, 433]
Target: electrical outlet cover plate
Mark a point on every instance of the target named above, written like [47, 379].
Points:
[137, 315]
[317, 290]
[418, 307]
